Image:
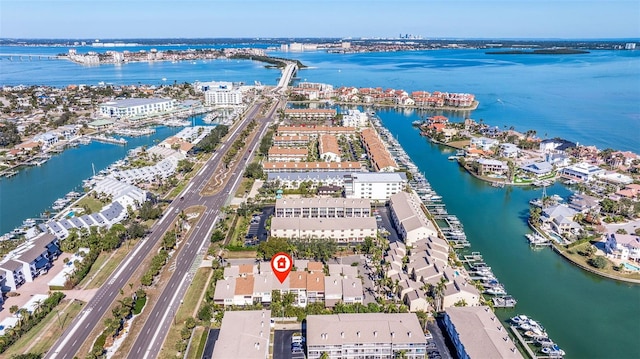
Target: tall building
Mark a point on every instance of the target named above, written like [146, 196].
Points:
[136, 107]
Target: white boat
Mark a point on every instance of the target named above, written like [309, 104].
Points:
[452, 158]
[553, 351]
[496, 290]
[29, 222]
[519, 319]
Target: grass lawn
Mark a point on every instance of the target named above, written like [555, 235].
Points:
[574, 256]
[186, 309]
[459, 144]
[45, 333]
[198, 342]
[239, 254]
[102, 273]
[245, 187]
[93, 204]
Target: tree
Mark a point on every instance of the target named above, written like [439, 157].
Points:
[254, 171]
[599, 262]
[190, 323]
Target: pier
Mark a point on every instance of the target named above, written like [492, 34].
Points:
[106, 139]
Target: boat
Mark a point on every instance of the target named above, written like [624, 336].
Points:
[553, 351]
[452, 158]
[29, 222]
[506, 301]
[417, 123]
[210, 117]
[496, 290]
[544, 341]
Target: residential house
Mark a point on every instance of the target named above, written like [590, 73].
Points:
[624, 247]
[489, 166]
[559, 218]
[581, 172]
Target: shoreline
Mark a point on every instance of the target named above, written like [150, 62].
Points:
[473, 107]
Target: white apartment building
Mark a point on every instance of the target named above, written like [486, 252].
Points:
[136, 107]
[322, 207]
[376, 186]
[365, 335]
[355, 118]
[581, 171]
[341, 230]
[223, 96]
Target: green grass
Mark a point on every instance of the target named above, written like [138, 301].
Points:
[137, 308]
[102, 274]
[186, 309]
[44, 339]
[92, 203]
[198, 343]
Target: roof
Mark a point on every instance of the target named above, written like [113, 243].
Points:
[481, 333]
[279, 151]
[131, 102]
[225, 289]
[351, 287]
[243, 334]
[315, 282]
[302, 166]
[328, 144]
[350, 223]
[378, 177]
[323, 202]
[315, 266]
[298, 280]
[341, 329]
[244, 285]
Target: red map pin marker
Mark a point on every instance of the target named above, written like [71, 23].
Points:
[281, 264]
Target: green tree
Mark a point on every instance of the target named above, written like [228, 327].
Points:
[254, 171]
[599, 262]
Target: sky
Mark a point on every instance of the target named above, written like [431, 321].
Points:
[521, 19]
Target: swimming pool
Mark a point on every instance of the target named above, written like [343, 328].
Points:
[631, 267]
[70, 214]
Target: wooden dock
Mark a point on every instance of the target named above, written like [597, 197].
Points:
[525, 344]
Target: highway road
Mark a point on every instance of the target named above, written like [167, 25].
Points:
[154, 331]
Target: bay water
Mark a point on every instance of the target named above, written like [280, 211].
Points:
[593, 99]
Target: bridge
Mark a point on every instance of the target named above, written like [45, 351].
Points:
[287, 74]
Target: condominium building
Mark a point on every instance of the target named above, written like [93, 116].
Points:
[314, 131]
[310, 113]
[292, 180]
[476, 332]
[223, 96]
[312, 167]
[136, 107]
[286, 154]
[243, 334]
[367, 335]
[581, 172]
[380, 158]
[409, 218]
[329, 148]
[355, 118]
[341, 230]
[377, 186]
[322, 207]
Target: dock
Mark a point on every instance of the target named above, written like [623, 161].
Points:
[112, 140]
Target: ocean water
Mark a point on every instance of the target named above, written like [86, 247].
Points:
[574, 306]
[592, 99]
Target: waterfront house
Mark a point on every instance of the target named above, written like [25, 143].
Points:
[476, 332]
[584, 203]
[489, 166]
[538, 169]
[581, 172]
[509, 150]
[555, 145]
[622, 246]
[483, 143]
[559, 218]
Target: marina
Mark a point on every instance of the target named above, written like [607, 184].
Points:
[135, 132]
[532, 336]
[107, 139]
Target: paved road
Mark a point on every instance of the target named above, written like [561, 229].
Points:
[282, 345]
[154, 331]
[77, 333]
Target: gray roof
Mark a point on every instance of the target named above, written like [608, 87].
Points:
[323, 202]
[130, 102]
[11, 265]
[113, 211]
[383, 177]
[66, 224]
[244, 334]
[481, 333]
[342, 329]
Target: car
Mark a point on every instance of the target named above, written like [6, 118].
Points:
[297, 350]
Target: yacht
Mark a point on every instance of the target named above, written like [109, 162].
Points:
[553, 351]
[495, 290]
[519, 319]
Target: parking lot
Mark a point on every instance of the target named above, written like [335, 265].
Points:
[257, 232]
[282, 345]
